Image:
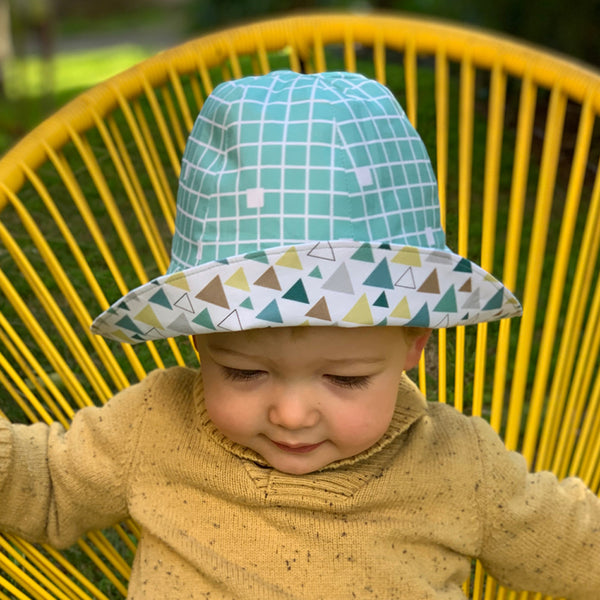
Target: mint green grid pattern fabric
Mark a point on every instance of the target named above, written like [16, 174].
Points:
[285, 158]
[306, 200]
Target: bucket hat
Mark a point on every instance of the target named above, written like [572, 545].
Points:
[306, 200]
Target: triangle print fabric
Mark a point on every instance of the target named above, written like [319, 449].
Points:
[311, 285]
[306, 200]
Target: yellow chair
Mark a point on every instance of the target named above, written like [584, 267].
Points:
[87, 211]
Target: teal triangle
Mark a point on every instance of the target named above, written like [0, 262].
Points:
[380, 277]
[122, 306]
[382, 323]
[316, 272]
[464, 266]
[127, 323]
[496, 301]
[448, 302]
[204, 320]
[223, 261]
[466, 317]
[385, 247]
[297, 292]
[364, 253]
[161, 299]
[381, 301]
[421, 319]
[270, 313]
[247, 303]
[258, 255]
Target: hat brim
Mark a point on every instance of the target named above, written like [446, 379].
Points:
[342, 283]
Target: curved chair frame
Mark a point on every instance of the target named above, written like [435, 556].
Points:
[87, 203]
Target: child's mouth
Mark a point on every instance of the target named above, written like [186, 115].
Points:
[297, 448]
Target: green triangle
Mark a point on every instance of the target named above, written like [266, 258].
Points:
[464, 266]
[364, 253]
[421, 319]
[161, 299]
[380, 277]
[382, 323]
[204, 320]
[247, 303]
[448, 302]
[127, 323]
[381, 301]
[297, 292]
[316, 272]
[495, 302]
[270, 313]
[258, 255]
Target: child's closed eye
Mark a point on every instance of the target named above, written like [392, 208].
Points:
[241, 374]
[350, 381]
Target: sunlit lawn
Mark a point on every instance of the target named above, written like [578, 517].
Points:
[34, 89]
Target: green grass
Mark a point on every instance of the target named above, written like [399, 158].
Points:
[34, 89]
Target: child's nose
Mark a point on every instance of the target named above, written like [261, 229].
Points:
[294, 409]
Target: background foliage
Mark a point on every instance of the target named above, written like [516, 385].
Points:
[570, 27]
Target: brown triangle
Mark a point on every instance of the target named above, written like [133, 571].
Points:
[466, 286]
[214, 293]
[319, 311]
[269, 280]
[431, 285]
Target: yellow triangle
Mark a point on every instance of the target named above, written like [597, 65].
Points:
[238, 280]
[290, 259]
[402, 310]
[178, 280]
[121, 335]
[148, 316]
[408, 256]
[360, 313]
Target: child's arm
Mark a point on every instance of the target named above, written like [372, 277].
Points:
[540, 534]
[56, 485]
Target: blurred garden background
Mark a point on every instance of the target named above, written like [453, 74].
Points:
[50, 50]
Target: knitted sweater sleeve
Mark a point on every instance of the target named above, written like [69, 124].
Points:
[55, 485]
[540, 534]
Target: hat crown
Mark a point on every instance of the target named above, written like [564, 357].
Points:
[284, 159]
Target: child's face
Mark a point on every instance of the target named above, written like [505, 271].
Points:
[304, 399]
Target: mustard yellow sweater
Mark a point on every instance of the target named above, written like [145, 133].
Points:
[399, 521]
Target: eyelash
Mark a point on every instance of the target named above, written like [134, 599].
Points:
[344, 381]
[350, 382]
[241, 374]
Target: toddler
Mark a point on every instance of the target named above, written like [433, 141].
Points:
[309, 266]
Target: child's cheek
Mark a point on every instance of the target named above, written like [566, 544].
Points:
[368, 424]
[229, 415]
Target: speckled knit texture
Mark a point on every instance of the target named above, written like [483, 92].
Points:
[398, 521]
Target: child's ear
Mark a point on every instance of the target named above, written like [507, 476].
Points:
[416, 344]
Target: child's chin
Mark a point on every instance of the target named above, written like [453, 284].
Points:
[298, 467]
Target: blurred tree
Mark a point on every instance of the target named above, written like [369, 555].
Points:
[6, 46]
[208, 14]
[570, 27]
